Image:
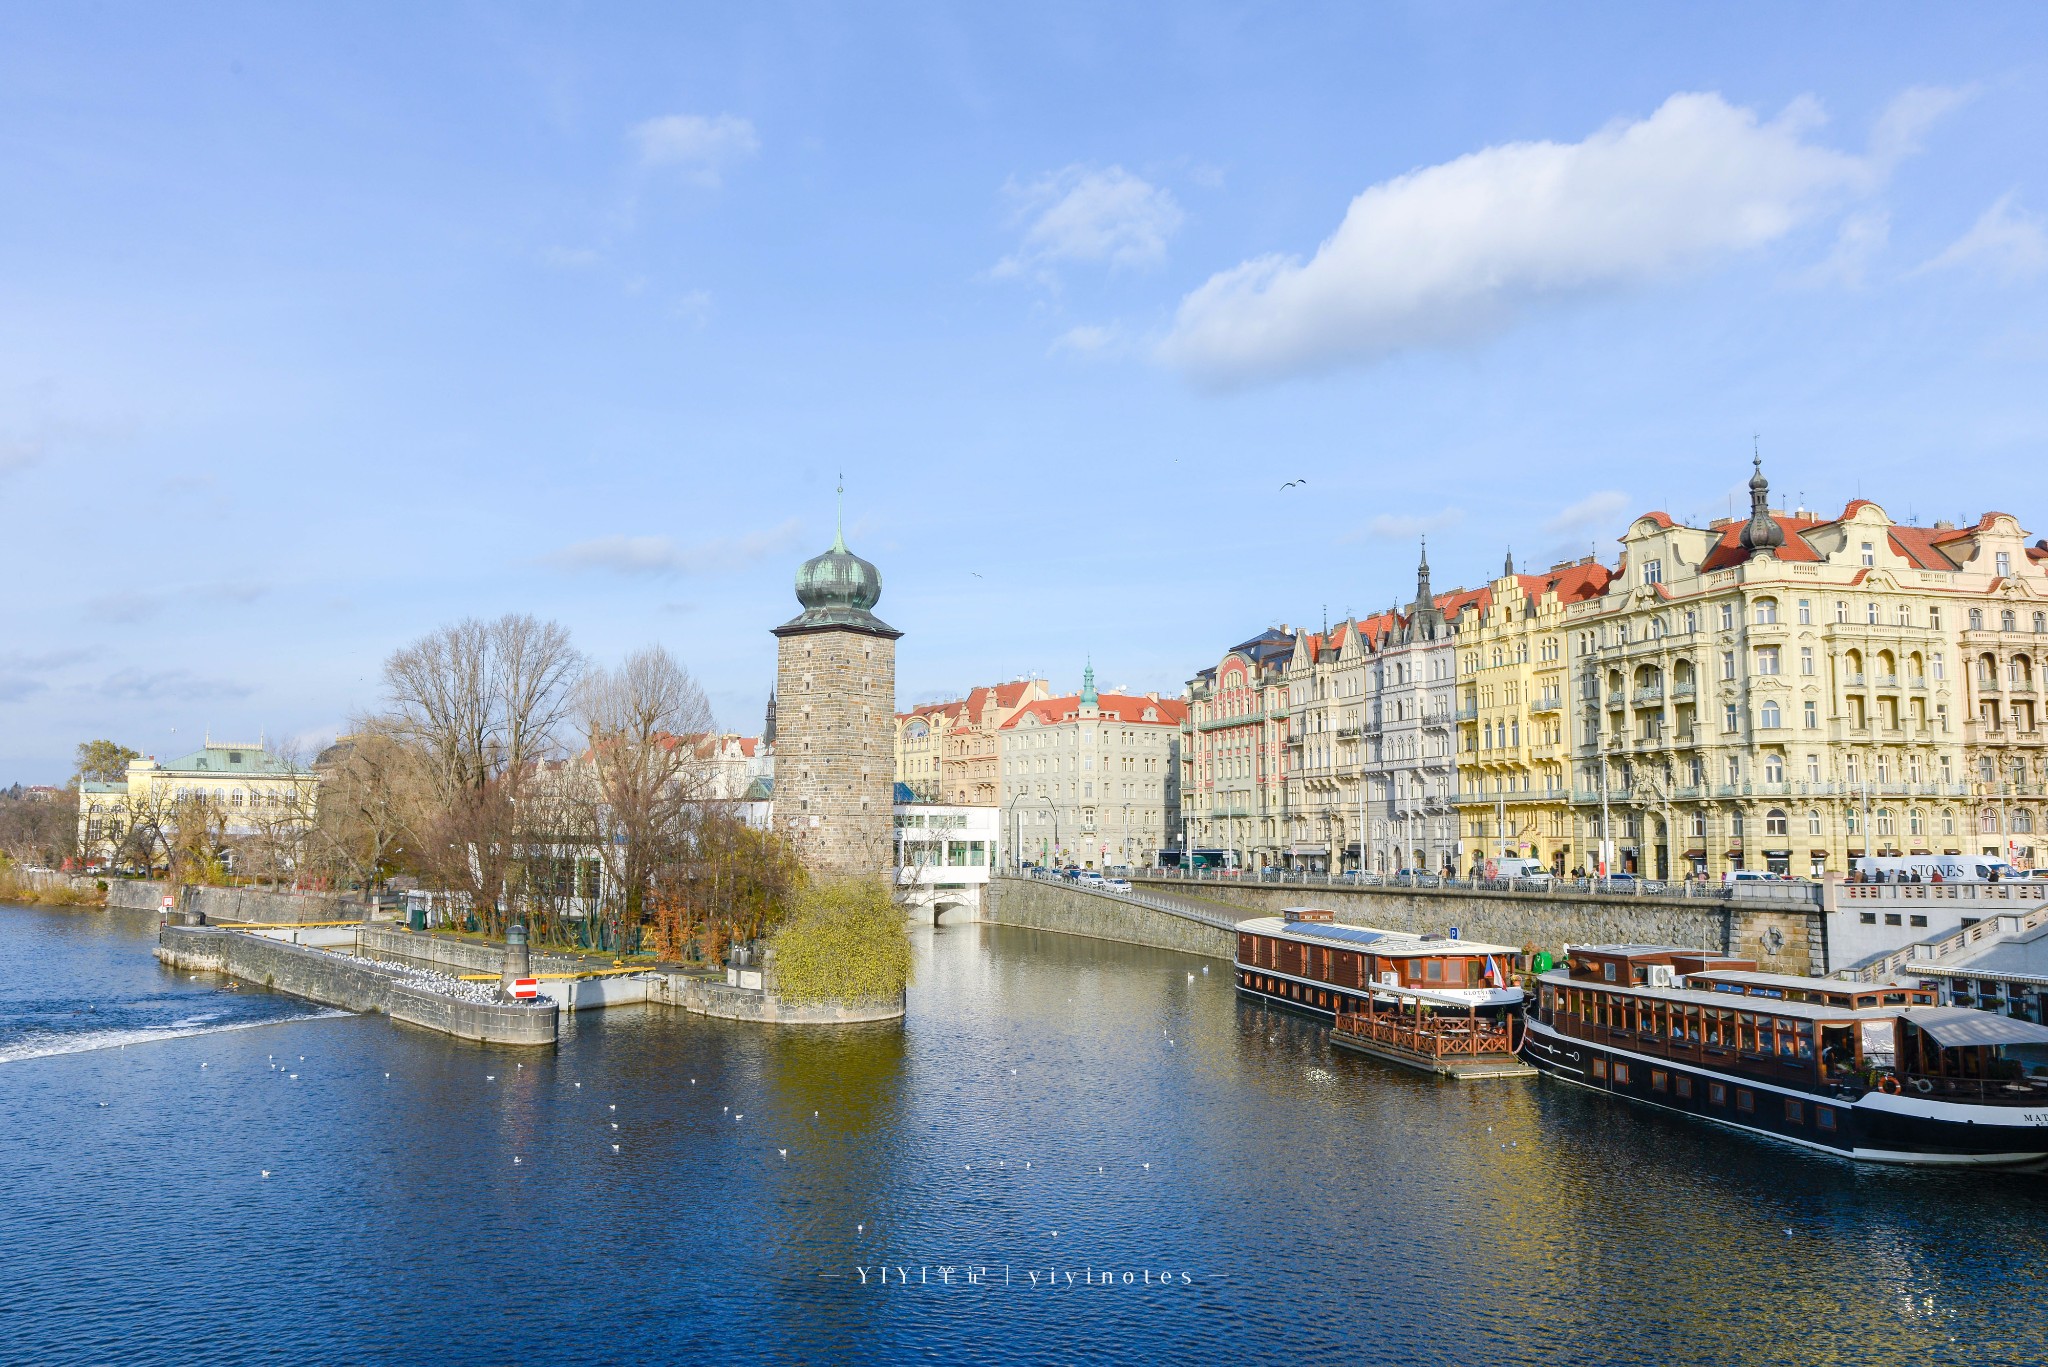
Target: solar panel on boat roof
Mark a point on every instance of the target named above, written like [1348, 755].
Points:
[1326, 931]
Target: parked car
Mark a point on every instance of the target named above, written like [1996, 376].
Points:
[1117, 884]
[1087, 876]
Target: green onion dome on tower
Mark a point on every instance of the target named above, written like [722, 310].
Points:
[838, 589]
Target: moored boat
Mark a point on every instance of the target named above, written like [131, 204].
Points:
[1875, 1071]
[1427, 1001]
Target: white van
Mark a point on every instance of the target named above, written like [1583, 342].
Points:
[1953, 868]
[1530, 870]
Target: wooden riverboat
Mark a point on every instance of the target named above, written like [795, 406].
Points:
[1427, 1001]
[1874, 1071]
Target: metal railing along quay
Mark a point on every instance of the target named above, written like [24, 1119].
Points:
[1140, 899]
[1620, 885]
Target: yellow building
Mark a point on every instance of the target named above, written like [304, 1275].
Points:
[1742, 694]
[252, 791]
[1514, 751]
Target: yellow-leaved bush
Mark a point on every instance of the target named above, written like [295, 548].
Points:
[845, 942]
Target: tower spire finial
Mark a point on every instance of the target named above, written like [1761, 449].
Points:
[839, 516]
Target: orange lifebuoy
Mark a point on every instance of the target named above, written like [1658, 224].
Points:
[1888, 1084]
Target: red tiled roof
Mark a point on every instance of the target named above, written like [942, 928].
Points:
[1113, 706]
[1571, 583]
[1921, 547]
[1729, 550]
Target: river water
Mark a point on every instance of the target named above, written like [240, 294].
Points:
[1147, 1168]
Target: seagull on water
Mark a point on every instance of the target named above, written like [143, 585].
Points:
[266, 1172]
[784, 1153]
[615, 1148]
[579, 1084]
[1148, 1167]
[490, 1077]
[615, 1124]
[614, 1106]
[515, 1158]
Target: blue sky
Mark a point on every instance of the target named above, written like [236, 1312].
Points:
[321, 328]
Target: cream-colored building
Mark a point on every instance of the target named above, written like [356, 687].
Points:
[949, 751]
[1779, 692]
[252, 792]
[1091, 779]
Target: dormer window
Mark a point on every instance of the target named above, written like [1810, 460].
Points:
[1653, 571]
[1869, 555]
[2003, 560]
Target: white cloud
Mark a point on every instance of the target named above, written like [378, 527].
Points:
[1859, 241]
[2006, 241]
[1589, 513]
[178, 685]
[660, 555]
[1454, 252]
[1089, 339]
[1408, 526]
[700, 148]
[1900, 129]
[1084, 214]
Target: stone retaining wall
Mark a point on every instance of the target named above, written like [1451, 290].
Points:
[334, 981]
[1042, 904]
[711, 997]
[136, 894]
[453, 956]
[1782, 939]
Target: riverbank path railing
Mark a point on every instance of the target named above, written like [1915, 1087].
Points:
[1172, 906]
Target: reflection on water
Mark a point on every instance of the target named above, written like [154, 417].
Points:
[1052, 1106]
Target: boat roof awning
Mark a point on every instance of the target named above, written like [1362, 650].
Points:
[1960, 1026]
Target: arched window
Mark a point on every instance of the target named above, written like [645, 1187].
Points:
[1813, 823]
[2041, 621]
[1987, 821]
[2005, 620]
[1774, 822]
[1905, 615]
[1766, 611]
[1976, 619]
[2022, 821]
[1774, 768]
[1770, 720]
[1916, 822]
[1884, 821]
[1699, 825]
[1948, 821]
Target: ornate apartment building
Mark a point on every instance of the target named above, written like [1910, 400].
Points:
[1233, 777]
[1781, 691]
[1514, 746]
[1092, 778]
[951, 751]
[1370, 750]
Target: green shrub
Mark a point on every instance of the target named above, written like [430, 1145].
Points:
[845, 942]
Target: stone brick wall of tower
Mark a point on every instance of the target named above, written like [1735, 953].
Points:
[835, 749]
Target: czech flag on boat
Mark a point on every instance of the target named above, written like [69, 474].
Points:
[1493, 977]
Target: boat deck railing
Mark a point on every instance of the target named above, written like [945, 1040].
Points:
[2018, 1091]
[1435, 1036]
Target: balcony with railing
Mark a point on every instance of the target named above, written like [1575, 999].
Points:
[1650, 696]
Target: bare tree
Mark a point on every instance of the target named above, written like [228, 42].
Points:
[482, 703]
[649, 729]
[373, 797]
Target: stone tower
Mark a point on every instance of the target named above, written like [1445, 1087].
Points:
[835, 717]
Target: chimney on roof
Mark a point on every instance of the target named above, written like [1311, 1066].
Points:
[1944, 526]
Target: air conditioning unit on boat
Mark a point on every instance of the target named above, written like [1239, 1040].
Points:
[1662, 976]
[1390, 978]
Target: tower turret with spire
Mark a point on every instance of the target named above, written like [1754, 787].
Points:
[1425, 621]
[1761, 535]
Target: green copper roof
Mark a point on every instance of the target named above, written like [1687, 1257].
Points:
[838, 589]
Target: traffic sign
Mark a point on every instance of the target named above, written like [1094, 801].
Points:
[526, 987]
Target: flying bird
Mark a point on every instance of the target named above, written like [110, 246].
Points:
[1292, 483]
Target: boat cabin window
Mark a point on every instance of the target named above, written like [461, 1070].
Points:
[1433, 971]
[1607, 971]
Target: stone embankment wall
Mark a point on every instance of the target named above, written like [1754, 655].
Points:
[136, 894]
[1043, 904]
[449, 955]
[711, 997]
[1781, 938]
[252, 906]
[334, 981]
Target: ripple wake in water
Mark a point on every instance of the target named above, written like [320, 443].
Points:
[45, 1043]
